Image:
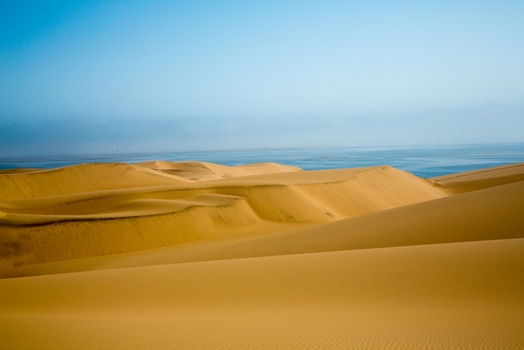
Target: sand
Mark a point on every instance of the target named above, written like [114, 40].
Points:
[194, 255]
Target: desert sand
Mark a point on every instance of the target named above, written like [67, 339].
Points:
[194, 255]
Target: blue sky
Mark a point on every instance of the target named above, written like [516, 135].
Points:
[360, 65]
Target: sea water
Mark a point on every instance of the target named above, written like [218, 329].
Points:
[422, 161]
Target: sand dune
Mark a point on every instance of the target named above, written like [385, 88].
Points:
[479, 179]
[81, 178]
[76, 225]
[203, 171]
[202, 256]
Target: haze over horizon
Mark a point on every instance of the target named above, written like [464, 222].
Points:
[89, 76]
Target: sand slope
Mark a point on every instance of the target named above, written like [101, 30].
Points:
[273, 257]
[449, 295]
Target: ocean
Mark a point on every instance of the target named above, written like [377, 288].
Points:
[426, 162]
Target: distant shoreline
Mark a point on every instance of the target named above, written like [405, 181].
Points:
[423, 161]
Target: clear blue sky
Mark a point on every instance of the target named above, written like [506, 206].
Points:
[360, 62]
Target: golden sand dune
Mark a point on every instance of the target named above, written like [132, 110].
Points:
[479, 179]
[77, 225]
[202, 256]
[81, 178]
[448, 295]
[203, 171]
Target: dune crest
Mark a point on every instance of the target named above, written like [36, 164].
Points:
[81, 178]
[194, 255]
[480, 179]
[204, 171]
